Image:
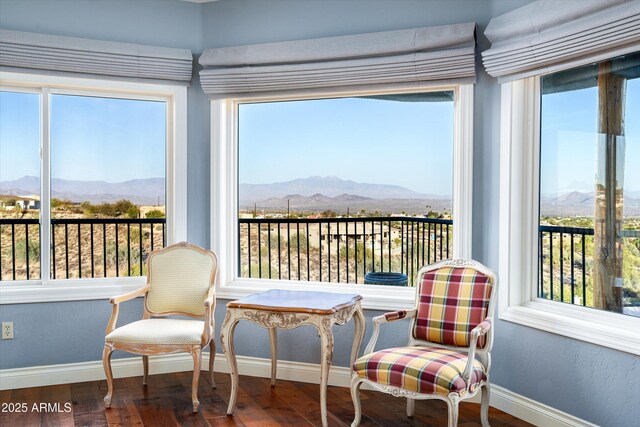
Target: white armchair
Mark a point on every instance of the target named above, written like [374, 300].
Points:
[180, 281]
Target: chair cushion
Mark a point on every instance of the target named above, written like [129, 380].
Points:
[429, 370]
[159, 331]
[453, 301]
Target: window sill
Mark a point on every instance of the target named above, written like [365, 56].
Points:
[611, 330]
[67, 290]
[374, 297]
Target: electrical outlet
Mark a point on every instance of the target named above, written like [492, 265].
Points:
[7, 330]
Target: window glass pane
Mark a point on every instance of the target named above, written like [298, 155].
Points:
[331, 190]
[589, 237]
[107, 185]
[19, 186]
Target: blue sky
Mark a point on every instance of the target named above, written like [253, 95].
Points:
[364, 140]
[19, 135]
[101, 139]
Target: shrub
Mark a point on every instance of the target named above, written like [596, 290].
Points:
[155, 213]
[133, 212]
[329, 214]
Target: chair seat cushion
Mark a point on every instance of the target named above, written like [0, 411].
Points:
[159, 331]
[429, 370]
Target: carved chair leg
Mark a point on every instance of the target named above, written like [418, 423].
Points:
[411, 407]
[212, 358]
[106, 363]
[356, 382]
[452, 406]
[145, 365]
[484, 405]
[196, 353]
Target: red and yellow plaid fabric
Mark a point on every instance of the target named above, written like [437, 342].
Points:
[453, 301]
[429, 370]
[395, 315]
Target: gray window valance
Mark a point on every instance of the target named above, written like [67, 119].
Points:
[33, 51]
[402, 58]
[551, 35]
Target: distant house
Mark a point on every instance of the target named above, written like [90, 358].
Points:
[28, 202]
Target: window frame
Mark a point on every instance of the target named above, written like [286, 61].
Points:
[46, 289]
[224, 196]
[518, 248]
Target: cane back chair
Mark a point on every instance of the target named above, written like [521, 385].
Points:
[448, 355]
[180, 281]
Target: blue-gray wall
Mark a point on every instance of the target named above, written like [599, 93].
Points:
[594, 383]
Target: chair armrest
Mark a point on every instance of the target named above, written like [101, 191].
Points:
[115, 301]
[391, 316]
[210, 300]
[129, 295]
[480, 330]
[209, 308]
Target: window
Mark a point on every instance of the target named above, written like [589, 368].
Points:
[329, 189]
[110, 171]
[19, 185]
[569, 214]
[352, 170]
[589, 186]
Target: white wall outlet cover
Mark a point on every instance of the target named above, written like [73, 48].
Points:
[7, 330]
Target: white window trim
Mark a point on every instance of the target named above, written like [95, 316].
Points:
[519, 209]
[47, 290]
[224, 213]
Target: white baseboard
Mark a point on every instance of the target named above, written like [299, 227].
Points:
[505, 400]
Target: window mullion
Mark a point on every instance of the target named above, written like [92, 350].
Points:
[463, 172]
[45, 186]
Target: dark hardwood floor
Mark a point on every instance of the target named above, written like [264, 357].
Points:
[166, 401]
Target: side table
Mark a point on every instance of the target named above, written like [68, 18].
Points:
[283, 309]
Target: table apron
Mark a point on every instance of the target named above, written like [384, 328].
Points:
[291, 320]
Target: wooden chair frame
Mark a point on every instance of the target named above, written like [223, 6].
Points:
[483, 354]
[146, 350]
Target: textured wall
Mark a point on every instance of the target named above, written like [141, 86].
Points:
[155, 22]
[594, 383]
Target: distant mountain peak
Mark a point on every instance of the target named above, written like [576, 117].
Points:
[327, 186]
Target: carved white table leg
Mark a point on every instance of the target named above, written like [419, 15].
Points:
[226, 337]
[358, 335]
[326, 342]
[273, 339]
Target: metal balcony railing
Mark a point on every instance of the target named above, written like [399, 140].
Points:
[80, 247]
[565, 256]
[340, 250]
[551, 253]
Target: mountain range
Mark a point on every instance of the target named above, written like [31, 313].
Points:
[329, 186]
[343, 203]
[149, 191]
[583, 203]
[304, 194]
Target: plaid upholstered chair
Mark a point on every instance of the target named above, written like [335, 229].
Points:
[180, 281]
[448, 354]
